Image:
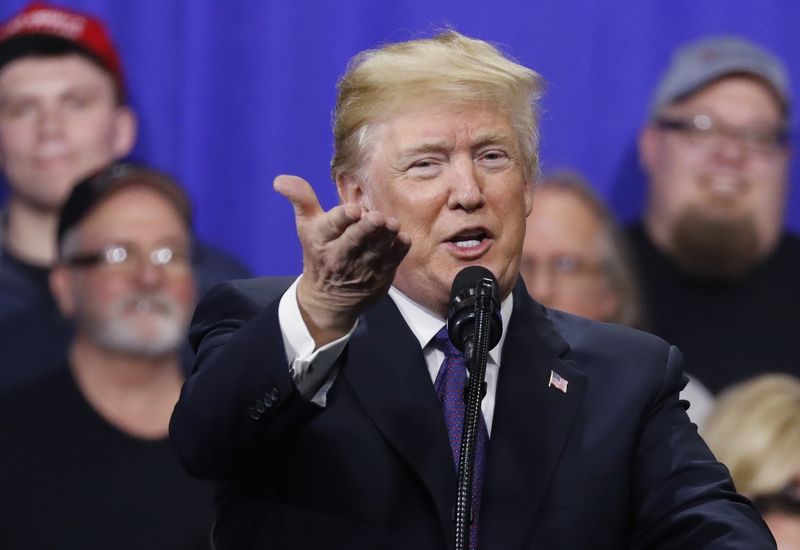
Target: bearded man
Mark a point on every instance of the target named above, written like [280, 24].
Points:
[719, 270]
[86, 462]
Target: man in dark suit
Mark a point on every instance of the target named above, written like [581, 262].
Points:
[321, 407]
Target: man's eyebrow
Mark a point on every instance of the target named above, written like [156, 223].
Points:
[494, 138]
[425, 148]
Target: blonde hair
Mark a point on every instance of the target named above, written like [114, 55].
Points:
[754, 430]
[448, 68]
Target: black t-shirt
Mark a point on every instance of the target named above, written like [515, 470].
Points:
[727, 332]
[23, 286]
[70, 480]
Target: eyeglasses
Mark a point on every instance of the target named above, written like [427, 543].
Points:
[704, 131]
[125, 257]
[564, 266]
[786, 499]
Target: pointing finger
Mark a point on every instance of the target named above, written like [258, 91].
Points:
[299, 192]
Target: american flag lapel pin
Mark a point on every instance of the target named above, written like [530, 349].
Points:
[557, 382]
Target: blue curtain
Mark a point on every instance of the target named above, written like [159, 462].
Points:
[231, 93]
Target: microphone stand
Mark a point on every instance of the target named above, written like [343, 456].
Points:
[477, 352]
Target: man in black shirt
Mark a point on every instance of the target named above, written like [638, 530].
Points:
[719, 270]
[86, 462]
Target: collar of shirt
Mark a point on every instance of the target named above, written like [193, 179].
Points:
[425, 324]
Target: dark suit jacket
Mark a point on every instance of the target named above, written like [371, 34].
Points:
[612, 463]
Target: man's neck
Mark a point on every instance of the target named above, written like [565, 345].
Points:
[31, 233]
[134, 394]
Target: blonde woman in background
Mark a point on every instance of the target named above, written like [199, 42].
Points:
[755, 431]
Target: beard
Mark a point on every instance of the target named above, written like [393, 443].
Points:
[714, 247]
[141, 324]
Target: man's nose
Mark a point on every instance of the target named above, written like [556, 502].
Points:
[51, 121]
[731, 149]
[149, 275]
[466, 186]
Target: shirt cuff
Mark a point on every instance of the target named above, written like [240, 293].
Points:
[312, 370]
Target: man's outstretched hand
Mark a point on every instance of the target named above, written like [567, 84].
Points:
[349, 259]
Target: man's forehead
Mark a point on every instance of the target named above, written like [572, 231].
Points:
[441, 126]
[31, 72]
[132, 202]
[563, 208]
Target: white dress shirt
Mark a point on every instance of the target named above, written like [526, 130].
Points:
[314, 371]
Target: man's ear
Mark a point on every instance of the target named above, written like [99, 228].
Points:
[528, 196]
[125, 130]
[61, 286]
[352, 189]
[648, 145]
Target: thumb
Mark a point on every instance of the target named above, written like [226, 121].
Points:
[299, 192]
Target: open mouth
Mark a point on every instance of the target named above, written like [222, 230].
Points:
[470, 239]
[724, 185]
[467, 243]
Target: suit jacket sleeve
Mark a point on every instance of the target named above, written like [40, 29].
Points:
[683, 495]
[240, 397]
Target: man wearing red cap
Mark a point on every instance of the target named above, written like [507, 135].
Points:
[63, 116]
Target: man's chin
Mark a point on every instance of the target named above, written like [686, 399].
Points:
[144, 335]
[715, 246]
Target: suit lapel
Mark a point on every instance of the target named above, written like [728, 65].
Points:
[530, 427]
[386, 369]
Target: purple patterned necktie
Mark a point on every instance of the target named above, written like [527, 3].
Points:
[449, 387]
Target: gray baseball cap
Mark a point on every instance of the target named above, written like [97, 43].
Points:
[699, 63]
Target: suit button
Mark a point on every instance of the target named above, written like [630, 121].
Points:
[271, 397]
[259, 406]
[254, 414]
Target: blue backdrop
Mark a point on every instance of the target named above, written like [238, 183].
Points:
[231, 93]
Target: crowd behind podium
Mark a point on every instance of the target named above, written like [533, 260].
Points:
[98, 261]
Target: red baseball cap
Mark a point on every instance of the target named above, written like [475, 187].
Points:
[81, 29]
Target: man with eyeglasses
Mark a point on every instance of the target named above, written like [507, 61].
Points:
[86, 461]
[63, 115]
[719, 269]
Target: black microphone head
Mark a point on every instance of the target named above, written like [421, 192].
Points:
[467, 279]
[468, 283]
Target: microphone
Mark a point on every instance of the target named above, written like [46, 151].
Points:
[474, 327]
[474, 294]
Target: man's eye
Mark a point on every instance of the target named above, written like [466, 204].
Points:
[424, 168]
[77, 101]
[18, 109]
[494, 158]
[566, 264]
[761, 139]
